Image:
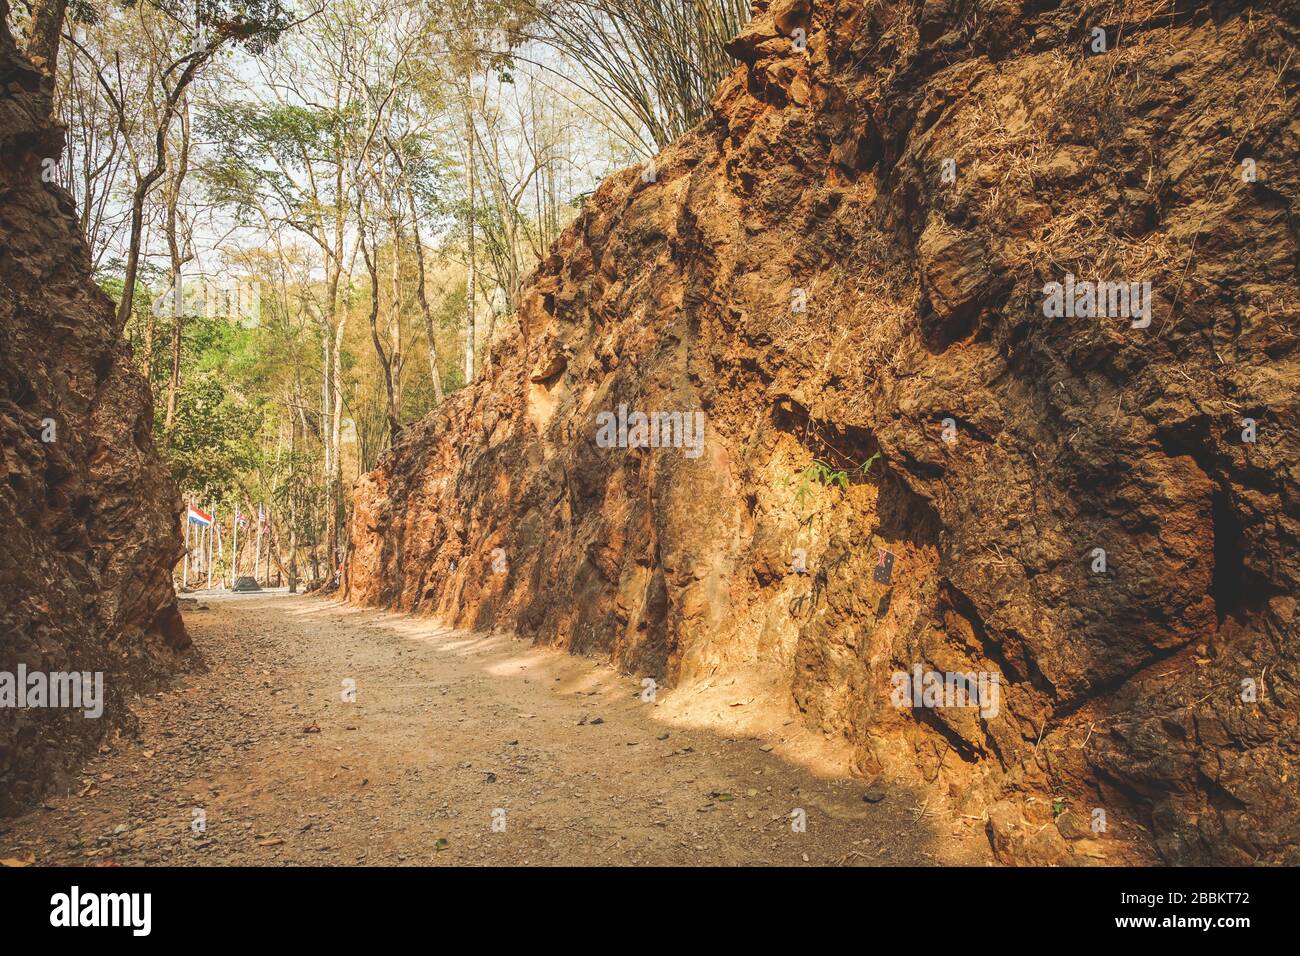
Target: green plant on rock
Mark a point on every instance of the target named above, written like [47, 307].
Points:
[818, 473]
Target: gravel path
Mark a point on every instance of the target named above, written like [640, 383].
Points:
[459, 748]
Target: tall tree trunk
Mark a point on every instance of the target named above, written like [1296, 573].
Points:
[336, 439]
[338, 320]
[149, 327]
[424, 308]
[174, 380]
[133, 247]
[423, 298]
[44, 32]
[276, 553]
[293, 560]
[326, 391]
[291, 498]
[331, 422]
[145, 183]
[395, 314]
[469, 271]
[172, 199]
[394, 423]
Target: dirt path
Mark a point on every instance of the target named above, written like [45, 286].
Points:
[447, 730]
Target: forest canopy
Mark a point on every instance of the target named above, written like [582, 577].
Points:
[316, 215]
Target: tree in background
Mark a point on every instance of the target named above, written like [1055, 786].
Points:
[387, 177]
[654, 63]
[182, 40]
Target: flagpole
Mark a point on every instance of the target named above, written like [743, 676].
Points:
[234, 546]
[221, 539]
[211, 534]
[270, 543]
[257, 551]
[185, 568]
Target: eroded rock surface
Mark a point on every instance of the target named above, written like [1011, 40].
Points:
[89, 518]
[808, 270]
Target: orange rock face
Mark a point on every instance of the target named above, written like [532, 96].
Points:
[89, 518]
[852, 262]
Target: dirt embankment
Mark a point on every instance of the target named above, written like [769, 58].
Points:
[852, 261]
[89, 518]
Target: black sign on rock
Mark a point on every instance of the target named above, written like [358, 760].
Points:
[884, 566]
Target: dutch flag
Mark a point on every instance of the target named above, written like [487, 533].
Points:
[200, 518]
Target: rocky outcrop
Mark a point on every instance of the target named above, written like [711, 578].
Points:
[89, 518]
[877, 254]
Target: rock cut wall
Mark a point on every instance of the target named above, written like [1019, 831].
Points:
[89, 517]
[852, 261]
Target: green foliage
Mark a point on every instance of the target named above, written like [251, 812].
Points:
[153, 363]
[448, 315]
[256, 24]
[81, 11]
[214, 442]
[824, 474]
[821, 474]
[818, 473]
[257, 144]
[213, 439]
[110, 280]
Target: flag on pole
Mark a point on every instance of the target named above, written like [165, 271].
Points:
[199, 517]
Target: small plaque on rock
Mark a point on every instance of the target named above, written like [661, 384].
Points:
[884, 566]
